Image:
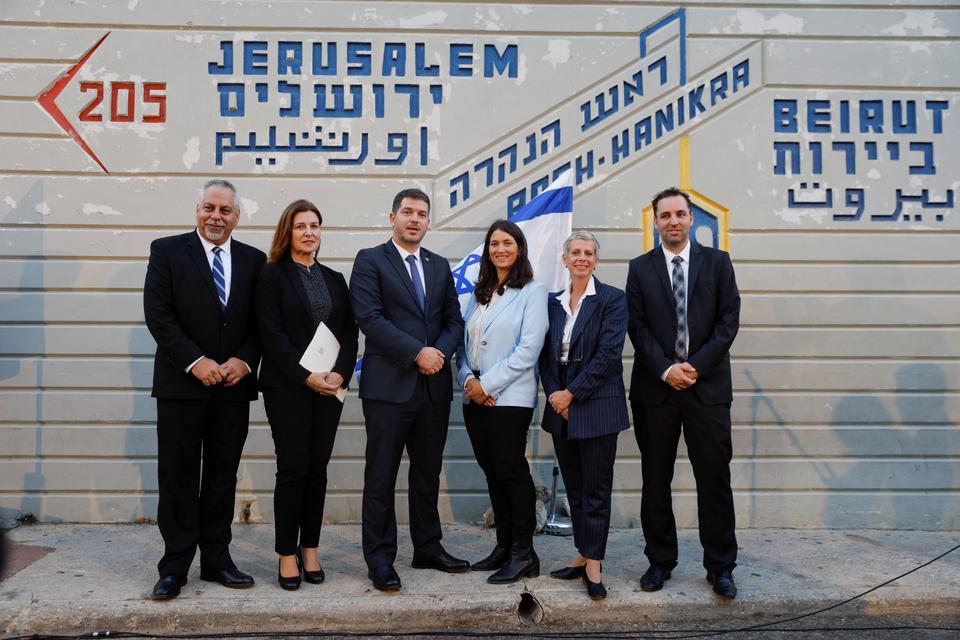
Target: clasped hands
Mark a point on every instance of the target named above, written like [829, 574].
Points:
[682, 375]
[473, 389]
[560, 401]
[326, 383]
[207, 371]
[430, 360]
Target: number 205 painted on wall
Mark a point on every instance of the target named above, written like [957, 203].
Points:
[123, 101]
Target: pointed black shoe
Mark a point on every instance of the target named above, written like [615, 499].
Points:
[229, 577]
[654, 577]
[723, 584]
[288, 584]
[168, 587]
[568, 573]
[497, 558]
[595, 590]
[523, 563]
[442, 561]
[313, 577]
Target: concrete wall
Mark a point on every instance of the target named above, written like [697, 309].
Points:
[820, 141]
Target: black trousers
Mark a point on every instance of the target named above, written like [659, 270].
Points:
[587, 469]
[420, 425]
[499, 439]
[199, 443]
[304, 426]
[706, 430]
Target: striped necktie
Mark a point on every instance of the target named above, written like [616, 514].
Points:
[218, 278]
[680, 303]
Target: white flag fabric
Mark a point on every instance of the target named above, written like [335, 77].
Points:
[546, 221]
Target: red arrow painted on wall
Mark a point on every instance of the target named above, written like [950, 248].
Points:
[48, 99]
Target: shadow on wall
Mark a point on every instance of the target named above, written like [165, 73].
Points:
[903, 489]
[140, 442]
[30, 341]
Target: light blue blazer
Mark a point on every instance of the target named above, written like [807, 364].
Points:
[510, 343]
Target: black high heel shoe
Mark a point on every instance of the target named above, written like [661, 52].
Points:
[313, 577]
[595, 590]
[288, 584]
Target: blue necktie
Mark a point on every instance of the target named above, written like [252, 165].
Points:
[417, 285]
[218, 278]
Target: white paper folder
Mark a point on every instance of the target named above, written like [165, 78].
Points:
[321, 354]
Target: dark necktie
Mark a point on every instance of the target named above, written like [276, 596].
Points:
[218, 278]
[417, 285]
[680, 303]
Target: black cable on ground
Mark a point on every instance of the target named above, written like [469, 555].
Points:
[675, 634]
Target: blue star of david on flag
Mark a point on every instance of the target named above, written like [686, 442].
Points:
[546, 222]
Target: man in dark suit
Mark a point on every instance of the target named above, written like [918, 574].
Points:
[405, 303]
[684, 314]
[198, 304]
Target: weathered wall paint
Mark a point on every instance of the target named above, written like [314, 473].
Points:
[820, 141]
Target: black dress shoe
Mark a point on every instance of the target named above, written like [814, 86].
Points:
[568, 573]
[723, 584]
[384, 578]
[523, 563]
[595, 590]
[168, 587]
[654, 578]
[442, 561]
[497, 558]
[291, 583]
[229, 577]
[313, 577]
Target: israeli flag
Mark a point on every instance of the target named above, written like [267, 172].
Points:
[546, 221]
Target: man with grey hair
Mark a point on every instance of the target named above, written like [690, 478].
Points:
[198, 304]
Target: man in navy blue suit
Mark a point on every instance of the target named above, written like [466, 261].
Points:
[406, 304]
[684, 314]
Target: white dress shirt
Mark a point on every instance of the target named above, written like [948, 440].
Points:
[475, 329]
[564, 298]
[685, 266]
[224, 258]
[227, 273]
[416, 254]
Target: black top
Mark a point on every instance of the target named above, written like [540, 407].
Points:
[321, 305]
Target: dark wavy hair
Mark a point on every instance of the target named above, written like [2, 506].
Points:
[520, 273]
[280, 248]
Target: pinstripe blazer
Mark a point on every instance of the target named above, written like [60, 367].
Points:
[595, 371]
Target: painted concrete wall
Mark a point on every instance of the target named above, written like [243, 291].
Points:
[820, 141]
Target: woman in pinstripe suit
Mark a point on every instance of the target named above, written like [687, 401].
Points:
[582, 373]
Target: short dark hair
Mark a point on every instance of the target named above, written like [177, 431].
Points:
[416, 194]
[520, 273]
[669, 193]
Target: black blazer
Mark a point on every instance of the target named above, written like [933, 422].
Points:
[286, 324]
[713, 319]
[183, 313]
[595, 371]
[396, 329]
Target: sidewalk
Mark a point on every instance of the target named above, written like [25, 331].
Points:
[98, 577]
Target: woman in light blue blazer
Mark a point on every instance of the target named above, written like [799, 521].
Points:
[505, 325]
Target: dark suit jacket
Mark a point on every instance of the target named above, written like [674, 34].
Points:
[286, 324]
[183, 314]
[595, 371]
[396, 329]
[713, 318]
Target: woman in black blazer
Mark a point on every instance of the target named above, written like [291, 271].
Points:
[582, 373]
[294, 295]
